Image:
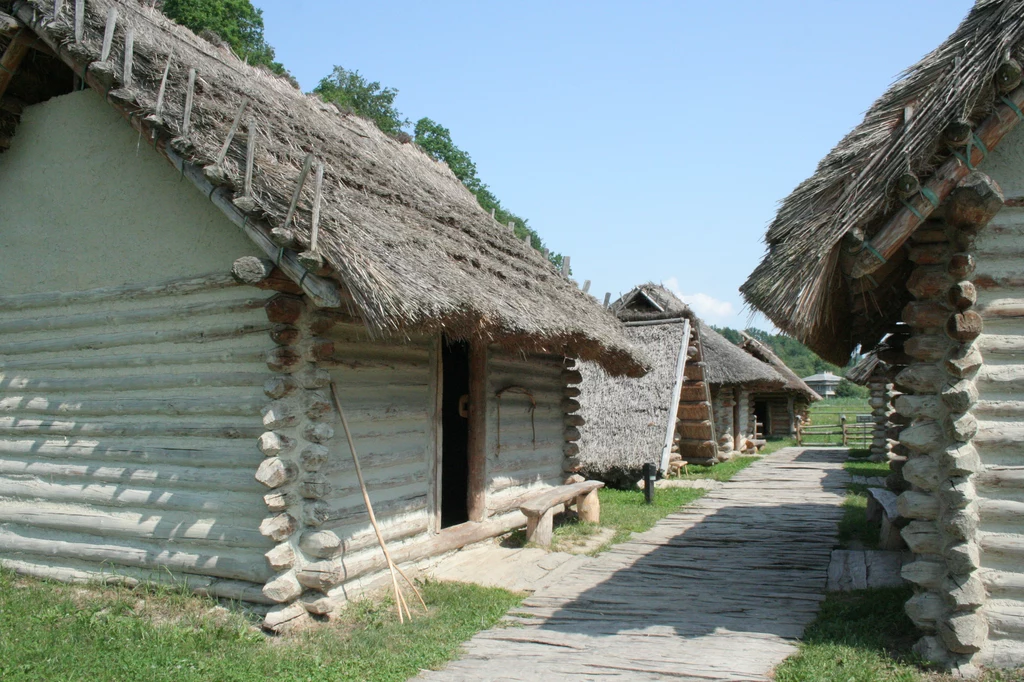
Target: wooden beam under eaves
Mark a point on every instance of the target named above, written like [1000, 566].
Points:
[13, 55]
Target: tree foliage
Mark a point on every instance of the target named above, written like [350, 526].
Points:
[237, 22]
[348, 89]
[794, 354]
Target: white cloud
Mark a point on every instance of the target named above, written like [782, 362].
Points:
[705, 305]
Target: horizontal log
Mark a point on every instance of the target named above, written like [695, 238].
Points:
[322, 544]
[176, 526]
[219, 332]
[961, 266]
[929, 282]
[922, 537]
[1002, 309]
[126, 451]
[215, 562]
[284, 309]
[921, 378]
[693, 393]
[169, 478]
[130, 292]
[214, 357]
[695, 430]
[14, 426]
[332, 514]
[72, 571]
[927, 347]
[694, 411]
[324, 575]
[120, 496]
[243, 406]
[125, 318]
[926, 314]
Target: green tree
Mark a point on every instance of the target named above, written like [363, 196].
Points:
[436, 141]
[237, 22]
[350, 90]
[848, 389]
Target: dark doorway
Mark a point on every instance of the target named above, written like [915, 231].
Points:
[761, 414]
[455, 433]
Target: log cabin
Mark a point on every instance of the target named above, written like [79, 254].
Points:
[198, 264]
[777, 410]
[910, 234]
[694, 405]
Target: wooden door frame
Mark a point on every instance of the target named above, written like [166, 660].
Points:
[476, 450]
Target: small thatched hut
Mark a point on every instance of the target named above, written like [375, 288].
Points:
[701, 415]
[778, 409]
[193, 253]
[911, 231]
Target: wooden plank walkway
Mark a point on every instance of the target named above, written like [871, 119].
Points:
[717, 591]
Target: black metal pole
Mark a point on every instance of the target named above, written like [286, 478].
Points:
[650, 473]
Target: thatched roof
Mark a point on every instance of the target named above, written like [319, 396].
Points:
[798, 284]
[725, 364]
[407, 241]
[763, 353]
[627, 418]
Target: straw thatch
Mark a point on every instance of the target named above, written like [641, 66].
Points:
[798, 284]
[627, 418]
[407, 240]
[794, 384]
[726, 364]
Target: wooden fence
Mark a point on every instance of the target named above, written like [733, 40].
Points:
[856, 433]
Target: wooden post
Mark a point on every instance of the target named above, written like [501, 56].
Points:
[677, 389]
[79, 20]
[476, 502]
[799, 434]
[307, 164]
[607, 298]
[586, 286]
[842, 423]
[565, 266]
[231, 132]
[15, 52]
[190, 90]
[108, 34]
[129, 56]
[250, 152]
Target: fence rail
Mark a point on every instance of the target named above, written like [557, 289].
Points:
[858, 432]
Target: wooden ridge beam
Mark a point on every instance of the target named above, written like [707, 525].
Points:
[12, 57]
[324, 293]
[900, 226]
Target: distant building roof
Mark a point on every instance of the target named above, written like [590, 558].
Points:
[824, 377]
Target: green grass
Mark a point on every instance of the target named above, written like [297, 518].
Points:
[869, 469]
[626, 511]
[52, 631]
[860, 636]
[828, 413]
[722, 471]
[776, 443]
[855, 531]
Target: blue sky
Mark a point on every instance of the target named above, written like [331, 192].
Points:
[646, 140]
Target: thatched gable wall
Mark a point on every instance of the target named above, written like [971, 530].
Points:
[762, 352]
[406, 240]
[626, 419]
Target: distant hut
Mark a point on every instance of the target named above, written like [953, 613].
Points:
[877, 376]
[911, 231]
[179, 299]
[702, 416]
[778, 410]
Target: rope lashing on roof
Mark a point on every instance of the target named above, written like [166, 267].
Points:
[1013, 107]
[872, 250]
[532, 409]
[965, 158]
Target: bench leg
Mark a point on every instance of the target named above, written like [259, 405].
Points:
[539, 528]
[588, 507]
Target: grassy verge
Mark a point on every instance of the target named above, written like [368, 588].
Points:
[717, 472]
[828, 413]
[855, 532]
[54, 631]
[775, 443]
[858, 637]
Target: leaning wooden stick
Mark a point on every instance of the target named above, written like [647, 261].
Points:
[399, 598]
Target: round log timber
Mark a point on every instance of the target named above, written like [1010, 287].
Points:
[961, 265]
[251, 270]
[973, 203]
[1008, 76]
[907, 185]
[284, 309]
[958, 133]
[964, 327]
[962, 295]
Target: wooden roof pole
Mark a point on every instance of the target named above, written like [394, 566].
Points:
[880, 248]
[673, 408]
[13, 55]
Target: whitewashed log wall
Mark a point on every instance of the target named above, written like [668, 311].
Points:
[523, 458]
[128, 419]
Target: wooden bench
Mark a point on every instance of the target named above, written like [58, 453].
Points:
[540, 513]
[882, 507]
